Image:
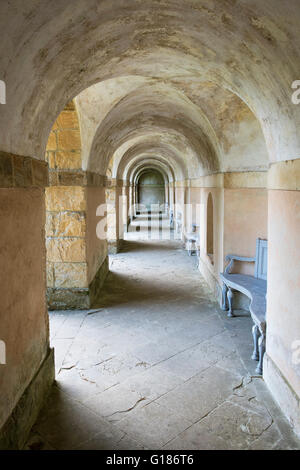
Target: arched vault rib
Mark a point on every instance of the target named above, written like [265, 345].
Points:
[241, 141]
[147, 168]
[164, 110]
[145, 162]
[152, 146]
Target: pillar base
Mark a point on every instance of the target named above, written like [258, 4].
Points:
[15, 431]
[114, 246]
[77, 298]
[98, 281]
[67, 298]
[283, 393]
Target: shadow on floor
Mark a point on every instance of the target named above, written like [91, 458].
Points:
[148, 245]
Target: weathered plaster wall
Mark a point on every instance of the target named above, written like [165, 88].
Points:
[245, 220]
[240, 204]
[96, 247]
[194, 213]
[283, 300]
[23, 315]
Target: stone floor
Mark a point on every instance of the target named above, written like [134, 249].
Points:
[156, 364]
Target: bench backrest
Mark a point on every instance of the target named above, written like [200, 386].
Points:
[261, 261]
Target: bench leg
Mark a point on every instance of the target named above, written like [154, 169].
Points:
[262, 348]
[230, 297]
[224, 297]
[256, 335]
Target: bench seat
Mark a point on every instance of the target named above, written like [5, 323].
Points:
[255, 289]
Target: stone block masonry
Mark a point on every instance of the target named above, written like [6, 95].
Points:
[68, 277]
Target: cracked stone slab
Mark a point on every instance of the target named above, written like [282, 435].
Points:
[116, 403]
[61, 346]
[228, 427]
[80, 385]
[190, 362]
[198, 396]
[71, 326]
[153, 425]
[153, 383]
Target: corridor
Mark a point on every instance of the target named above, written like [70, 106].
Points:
[156, 364]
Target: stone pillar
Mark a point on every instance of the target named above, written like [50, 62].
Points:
[179, 207]
[113, 192]
[74, 259]
[167, 202]
[66, 247]
[282, 359]
[187, 207]
[172, 196]
[27, 370]
[125, 209]
[131, 202]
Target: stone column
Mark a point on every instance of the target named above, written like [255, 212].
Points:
[27, 370]
[76, 259]
[282, 359]
[167, 202]
[66, 247]
[125, 209]
[131, 202]
[113, 192]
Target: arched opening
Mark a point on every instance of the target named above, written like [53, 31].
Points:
[210, 228]
[151, 190]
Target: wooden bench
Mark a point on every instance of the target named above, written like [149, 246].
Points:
[255, 288]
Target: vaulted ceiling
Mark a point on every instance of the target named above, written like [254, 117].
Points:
[199, 86]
